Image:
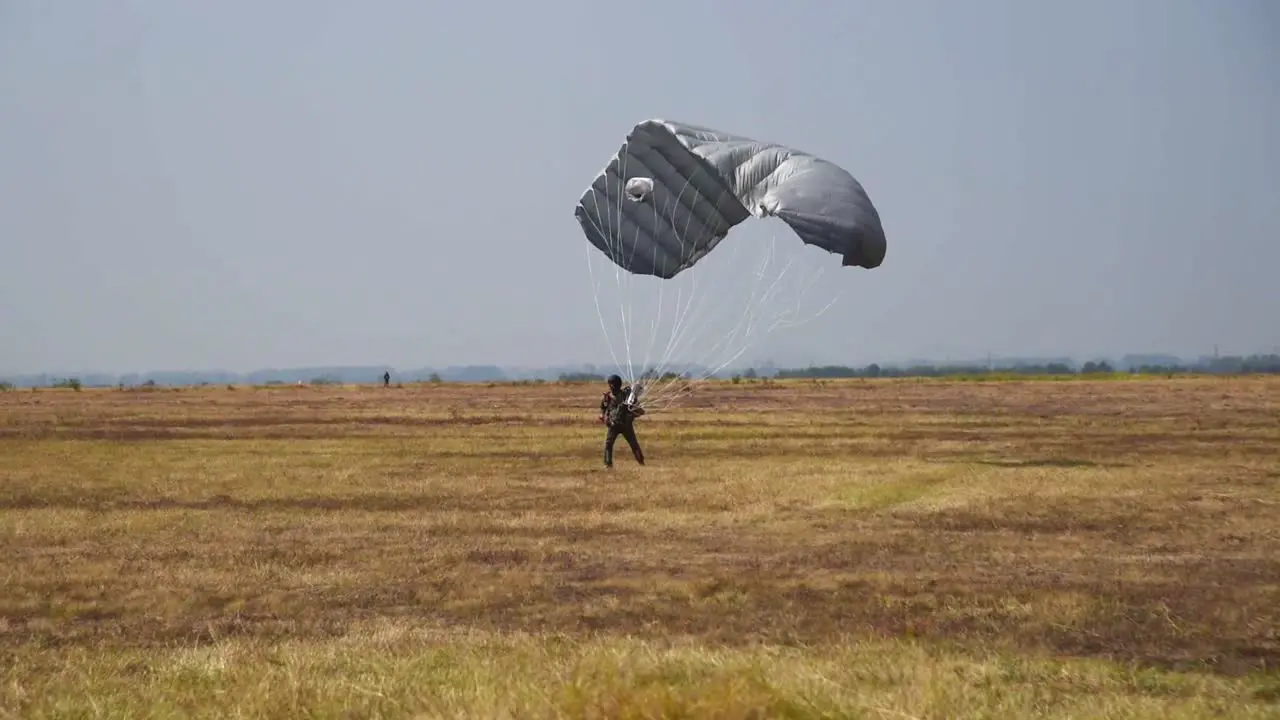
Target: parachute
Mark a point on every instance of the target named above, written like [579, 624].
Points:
[685, 187]
[664, 203]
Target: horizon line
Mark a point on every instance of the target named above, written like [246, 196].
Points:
[582, 364]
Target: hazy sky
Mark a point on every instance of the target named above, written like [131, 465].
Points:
[239, 184]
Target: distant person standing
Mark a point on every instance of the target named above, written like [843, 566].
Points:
[386, 379]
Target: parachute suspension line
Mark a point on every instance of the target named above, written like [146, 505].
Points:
[607, 233]
[666, 393]
[683, 309]
[614, 239]
[657, 318]
[595, 294]
[781, 322]
[683, 329]
[612, 235]
[680, 324]
[626, 281]
[746, 330]
[683, 312]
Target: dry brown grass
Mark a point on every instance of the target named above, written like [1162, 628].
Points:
[891, 548]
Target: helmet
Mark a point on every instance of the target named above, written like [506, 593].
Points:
[615, 381]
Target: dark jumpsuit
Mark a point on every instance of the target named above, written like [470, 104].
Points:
[624, 425]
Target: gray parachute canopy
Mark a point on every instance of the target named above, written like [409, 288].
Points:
[673, 192]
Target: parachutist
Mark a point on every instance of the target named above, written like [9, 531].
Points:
[618, 411]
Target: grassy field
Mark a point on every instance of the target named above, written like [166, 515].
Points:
[878, 549]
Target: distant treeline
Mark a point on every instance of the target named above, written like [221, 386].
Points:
[1233, 365]
[1248, 365]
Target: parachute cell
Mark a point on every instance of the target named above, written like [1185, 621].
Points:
[674, 191]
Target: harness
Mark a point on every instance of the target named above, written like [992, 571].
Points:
[619, 413]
